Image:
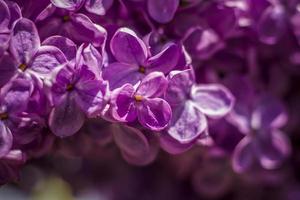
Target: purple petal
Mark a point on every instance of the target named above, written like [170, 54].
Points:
[166, 60]
[90, 95]
[187, 123]
[93, 59]
[162, 11]
[244, 156]
[130, 140]
[269, 112]
[154, 114]
[98, 7]
[180, 84]
[272, 25]
[15, 12]
[82, 29]
[25, 40]
[126, 74]
[153, 85]
[15, 95]
[172, 146]
[67, 46]
[4, 16]
[6, 139]
[66, 119]
[273, 150]
[68, 4]
[123, 108]
[7, 69]
[127, 47]
[47, 59]
[213, 100]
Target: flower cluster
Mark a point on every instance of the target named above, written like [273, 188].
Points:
[147, 74]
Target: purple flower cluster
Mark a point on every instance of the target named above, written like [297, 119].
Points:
[148, 74]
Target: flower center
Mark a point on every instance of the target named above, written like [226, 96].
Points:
[3, 116]
[138, 98]
[142, 69]
[22, 67]
[66, 18]
[70, 87]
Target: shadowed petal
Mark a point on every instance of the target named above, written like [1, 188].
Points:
[4, 16]
[7, 69]
[25, 40]
[166, 60]
[127, 47]
[67, 46]
[273, 150]
[6, 139]
[47, 59]
[243, 156]
[162, 11]
[180, 84]
[173, 146]
[126, 74]
[66, 119]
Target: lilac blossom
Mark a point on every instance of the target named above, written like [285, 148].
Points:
[134, 61]
[76, 93]
[191, 104]
[260, 119]
[143, 101]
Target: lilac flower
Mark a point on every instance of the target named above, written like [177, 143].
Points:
[259, 118]
[143, 102]
[14, 98]
[191, 103]
[76, 93]
[70, 24]
[134, 60]
[28, 54]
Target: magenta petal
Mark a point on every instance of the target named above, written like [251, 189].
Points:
[6, 139]
[46, 59]
[213, 100]
[154, 114]
[68, 4]
[273, 150]
[98, 7]
[126, 74]
[272, 25]
[25, 40]
[166, 60]
[90, 94]
[162, 11]
[67, 46]
[244, 155]
[172, 146]
[153, 85]
[66, 119]
[4, 16]
[180, 84]
[82, 29]
[127, 47]
[269, 112]
[130, 140]
[187, 123]
[122, 100]
[7, 69]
